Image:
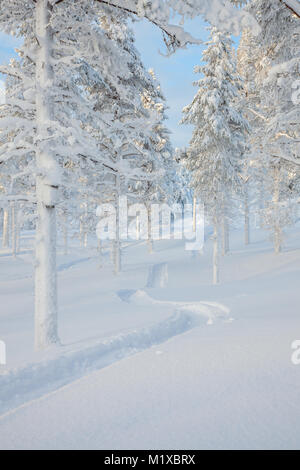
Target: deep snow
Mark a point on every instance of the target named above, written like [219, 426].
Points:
[190, 365]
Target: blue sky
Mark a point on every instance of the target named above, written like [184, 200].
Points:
[7, 50]
[175, 73]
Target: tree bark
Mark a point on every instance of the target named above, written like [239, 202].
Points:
[85, 243]
[46, 188]
[99, 249]
[18, 230]
[18, 233]
[81, 231]
[85, 237]
[247, 218]
[117, 243]
[5, 231]
[194, 213]
[138, 228]
[65, 232]
[149, 241]
[225, 236]
[276, 198]
[216, 267]
[261, 205]
[13, 229]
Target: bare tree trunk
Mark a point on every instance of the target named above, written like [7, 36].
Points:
[46, 188]
[247, 218]
[5, 232]
[65, 232]
[227, 246]
[13, 229]
[117, 257]
[81, 232]
[117, 244]
[149, 241]
[261, 205]
[112, 252]
[99, 249]
[85, 239]
[276, 198]
[225, 236]
[194, 213]
[18, 231]
[216, 267]
[138, 228]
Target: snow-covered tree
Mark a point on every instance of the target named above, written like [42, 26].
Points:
[218, 141]
[17, 165]
[59, 36]
[277, 137]
[139, 142]
[248, 54]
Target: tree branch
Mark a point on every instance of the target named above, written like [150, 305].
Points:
[290, 7]
[173, 40]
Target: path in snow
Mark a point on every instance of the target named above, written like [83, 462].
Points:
[224, 386]
[158, 275]
[33, 380]
[220, 387]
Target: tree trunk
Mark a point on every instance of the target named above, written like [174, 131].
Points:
[194, 213]
[13, 229]
[18, 231]
[117, 244]
[149, 241]
[85, 237]
[112, 251]
[46, 189]
[81, 232]
[225, 236]
[99, 249]
[276, 198]
[216, 267]
[5, 232]
[227, 246]
[85, 242]
[247, 218]
[117, 257]
[261, 205]
[138, 227]
[65, 232]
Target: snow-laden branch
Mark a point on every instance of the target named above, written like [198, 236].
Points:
[19, 198]
[257, 114]
[292, 5]
[287, 158]
[220, 13]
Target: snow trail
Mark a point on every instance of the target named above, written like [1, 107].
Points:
[22, 384]
[158, 275]
[206, 309]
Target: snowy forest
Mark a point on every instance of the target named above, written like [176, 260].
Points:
[113, 333]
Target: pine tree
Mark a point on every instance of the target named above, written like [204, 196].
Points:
[277, 68]
[218, 141]
[60, 36]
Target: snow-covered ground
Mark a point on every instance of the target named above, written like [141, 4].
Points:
[187, 365]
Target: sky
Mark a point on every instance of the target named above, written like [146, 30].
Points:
[7, 51]
[174, 73]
